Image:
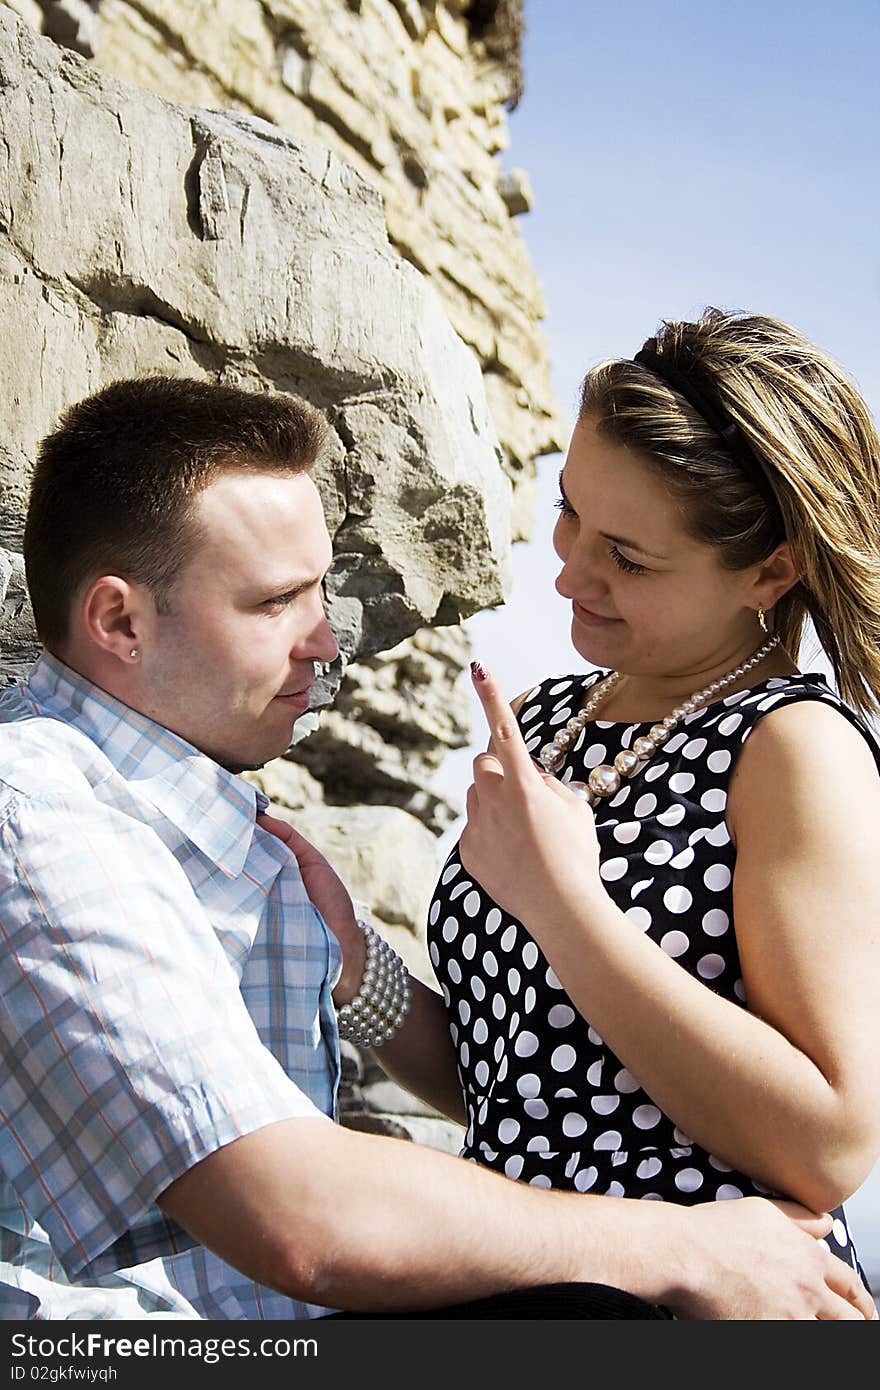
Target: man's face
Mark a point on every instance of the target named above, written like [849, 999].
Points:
[231, 663]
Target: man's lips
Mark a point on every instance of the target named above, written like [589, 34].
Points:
[591, 619]
[299, 697]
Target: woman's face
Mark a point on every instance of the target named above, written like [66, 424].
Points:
[647, 598]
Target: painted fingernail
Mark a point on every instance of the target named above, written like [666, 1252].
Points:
[539, 765]
[478, 671]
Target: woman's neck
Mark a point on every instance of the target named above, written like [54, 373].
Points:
[643, 698]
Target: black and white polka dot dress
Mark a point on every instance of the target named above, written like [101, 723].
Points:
[548, 1101]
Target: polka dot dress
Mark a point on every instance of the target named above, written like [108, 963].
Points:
[548, 1101]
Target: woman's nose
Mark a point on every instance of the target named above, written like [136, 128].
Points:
[579, 577]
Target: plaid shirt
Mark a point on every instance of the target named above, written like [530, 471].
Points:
[165, 990]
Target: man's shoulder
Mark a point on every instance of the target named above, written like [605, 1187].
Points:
[41, 756]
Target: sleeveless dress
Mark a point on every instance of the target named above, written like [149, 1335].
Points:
[548, 1102]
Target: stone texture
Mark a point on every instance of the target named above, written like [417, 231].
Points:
[411, 93]
[516, 191]
[208, 239]
[388, 861]
[136, 235]
[31, 11]
[391, 724]
[18, 645]
[72, 23]
[369, 1102]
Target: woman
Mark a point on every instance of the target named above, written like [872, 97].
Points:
[658, 947]
[718, 489]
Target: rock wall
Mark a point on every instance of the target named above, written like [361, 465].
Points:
[411, 93]
[137, 234]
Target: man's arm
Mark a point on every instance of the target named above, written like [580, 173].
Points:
[118, 1002]
[350, 1220]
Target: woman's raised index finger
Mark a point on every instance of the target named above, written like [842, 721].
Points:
[507, 740]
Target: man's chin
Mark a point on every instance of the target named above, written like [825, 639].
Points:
[261, 748]
[254, 762]
[238, 768]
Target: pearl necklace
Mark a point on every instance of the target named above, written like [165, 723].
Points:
[605, 779]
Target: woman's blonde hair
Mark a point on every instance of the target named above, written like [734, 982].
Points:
[816, 444]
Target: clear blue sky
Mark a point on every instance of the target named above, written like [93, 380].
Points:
[685, 154]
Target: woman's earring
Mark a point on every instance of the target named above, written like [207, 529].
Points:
[761, 619]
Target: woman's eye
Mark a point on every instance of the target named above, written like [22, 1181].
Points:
[622, 563]
[563, 505]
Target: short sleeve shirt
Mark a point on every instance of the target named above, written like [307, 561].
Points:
[165, 989]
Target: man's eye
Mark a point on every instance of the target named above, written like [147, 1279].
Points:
[277, 601]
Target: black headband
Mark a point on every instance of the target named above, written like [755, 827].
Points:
[716, 417]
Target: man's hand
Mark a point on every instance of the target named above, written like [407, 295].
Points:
[528, 838]
[760, 1260]
[331, 898]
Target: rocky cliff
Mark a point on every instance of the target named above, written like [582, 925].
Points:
[324, 215]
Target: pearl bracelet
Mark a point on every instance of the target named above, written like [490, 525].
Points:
[382, 1002]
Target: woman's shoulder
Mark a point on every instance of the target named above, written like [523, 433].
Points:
[757, 700]
[810, 713]
[805, 759]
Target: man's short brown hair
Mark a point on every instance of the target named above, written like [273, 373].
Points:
[114, 483]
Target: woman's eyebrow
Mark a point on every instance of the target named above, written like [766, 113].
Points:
[617, 540]
[632, 545]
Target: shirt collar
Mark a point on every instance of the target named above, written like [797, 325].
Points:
[213, 808]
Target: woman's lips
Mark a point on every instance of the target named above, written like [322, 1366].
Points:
[590, 619]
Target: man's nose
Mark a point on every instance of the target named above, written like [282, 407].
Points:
[322, 644]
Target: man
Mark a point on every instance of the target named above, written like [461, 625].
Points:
[169, 986]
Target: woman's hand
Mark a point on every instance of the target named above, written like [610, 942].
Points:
[528, 839]
[331, 897]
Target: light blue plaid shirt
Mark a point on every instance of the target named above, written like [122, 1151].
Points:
[165, 990]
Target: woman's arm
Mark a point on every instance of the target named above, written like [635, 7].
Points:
[421, 1055]
[781, 1091]
[804, 816]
